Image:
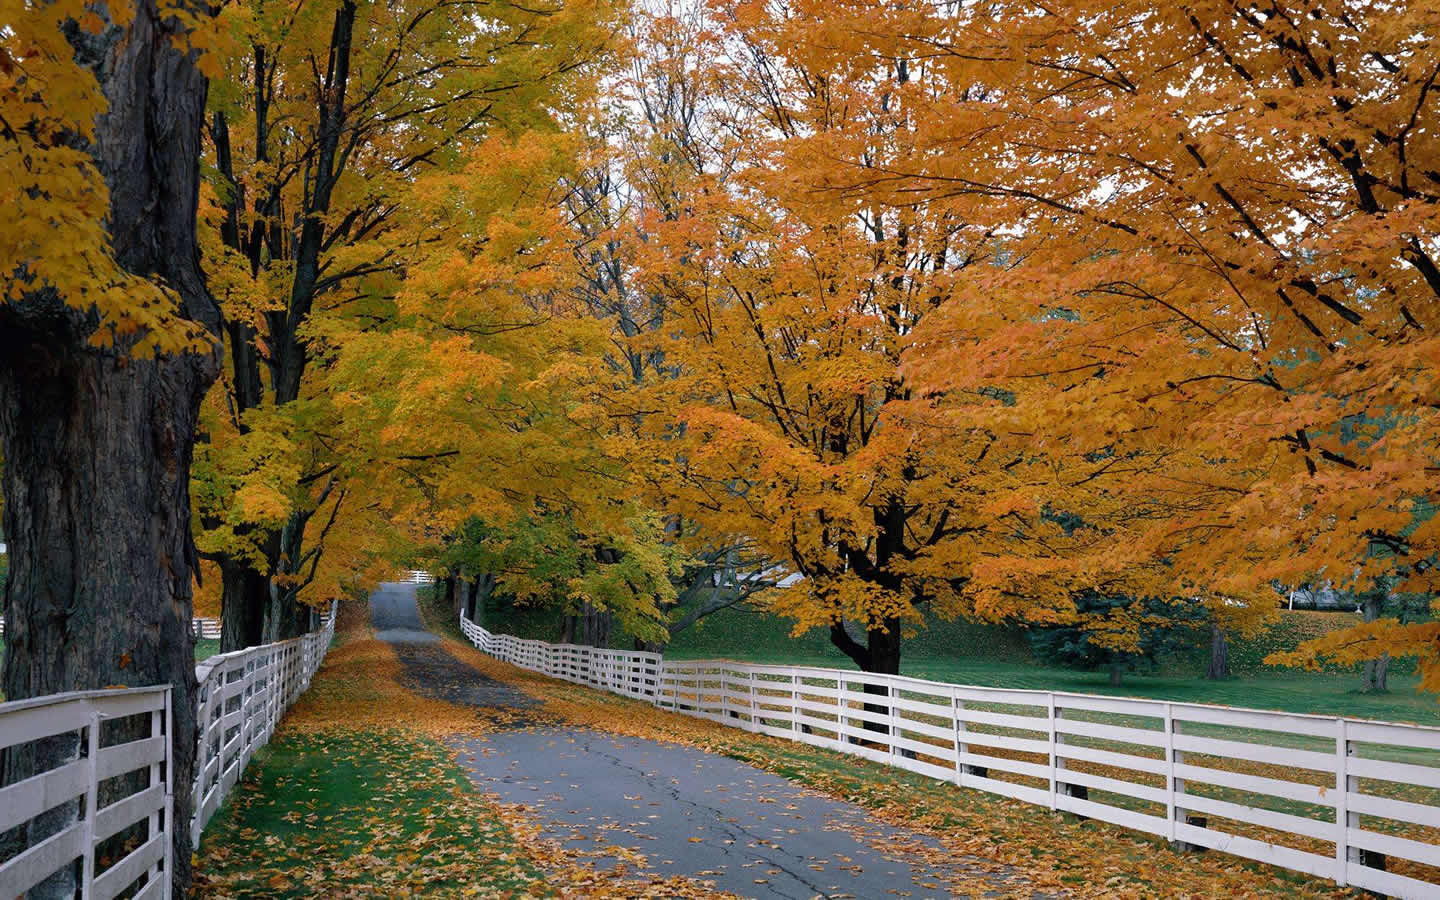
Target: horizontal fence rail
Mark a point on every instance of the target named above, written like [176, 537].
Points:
[1353, 801]
[108, 803]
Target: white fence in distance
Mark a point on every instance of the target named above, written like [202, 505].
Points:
[1335, 798]
[200, 626]
[127, 732]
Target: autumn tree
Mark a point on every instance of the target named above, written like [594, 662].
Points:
[107, 345]
[639, 164]
[791, 421]
[331, 118]
[1222, 250]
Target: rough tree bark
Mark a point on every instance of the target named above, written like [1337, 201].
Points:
[97, 444]
[880, 654]
[479, 587]
[1219, 668]
[242, 618]
[590, 627]
[1377, 671]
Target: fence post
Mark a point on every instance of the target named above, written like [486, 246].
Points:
[754, 703]
[1170, 785]
[724, 692]
[92, 787]
[202, 755]
[168, 780]
[957, 710]
[1342, 803]
[795, 705]
[1178, 811]
[1050, 735]
[892, 718]
[247, 709]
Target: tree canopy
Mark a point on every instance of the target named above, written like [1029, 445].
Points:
[857, 311]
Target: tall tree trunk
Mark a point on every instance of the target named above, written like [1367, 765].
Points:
[97, 444]
[472, 597]
[880, 654]
[1219, 668]
[286, 616]
[1117, 670]
[484, 587]
[881, 651]
[594, 626]
[243, 594]
[449, 588]
[1375, 676]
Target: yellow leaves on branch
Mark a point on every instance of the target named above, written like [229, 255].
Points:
[56, 202]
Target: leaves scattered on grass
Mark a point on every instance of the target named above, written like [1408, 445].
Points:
[356, 797]
[350, 814]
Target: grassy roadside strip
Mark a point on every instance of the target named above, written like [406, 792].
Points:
[357, 796]
[1056, 854]
[346, 813]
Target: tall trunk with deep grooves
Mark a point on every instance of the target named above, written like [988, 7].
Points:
[244, 590]
[97, 445]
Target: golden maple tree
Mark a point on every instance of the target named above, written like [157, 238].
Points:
[1219, 224]
[343, 141]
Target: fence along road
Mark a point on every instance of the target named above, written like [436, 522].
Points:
[1353, 801]
[128, 733]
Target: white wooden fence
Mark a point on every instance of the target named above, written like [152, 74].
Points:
[200, 627]
[127, 733]
[205, 628]
[147, 807]
[241, 699]
[1336, 798]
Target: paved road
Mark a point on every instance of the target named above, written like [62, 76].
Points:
[686, 812]
[395, 616]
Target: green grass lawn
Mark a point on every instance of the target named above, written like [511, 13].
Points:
[343, 812]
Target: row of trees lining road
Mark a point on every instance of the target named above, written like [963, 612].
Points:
[859, 311]
[932, 316]
[214, 276]
[329, 186]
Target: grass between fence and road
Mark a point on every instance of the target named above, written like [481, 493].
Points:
[340, 811]
[356, 796]
[1056, 852]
